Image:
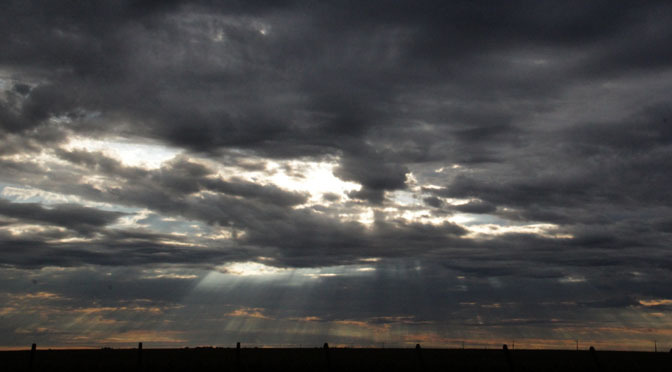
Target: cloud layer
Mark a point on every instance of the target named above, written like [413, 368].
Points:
[456, 151]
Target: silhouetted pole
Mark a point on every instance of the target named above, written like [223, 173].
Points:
[462, 345]
[593, 354]
[655, 346]
[139, 356]
[238, 356]
[326, 356]
[420, 361]
[509, 360]
[33, 349]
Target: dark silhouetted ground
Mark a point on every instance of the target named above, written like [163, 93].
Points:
[369, 360]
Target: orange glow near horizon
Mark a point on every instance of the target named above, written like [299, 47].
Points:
[154, 340]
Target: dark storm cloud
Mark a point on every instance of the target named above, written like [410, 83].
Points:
[75, 217]
[433, 201]
[530, 112]
[337, 79]
[608, 168]
[113, 248]
[476, 207]
[268, 194]
[319, 82]
[374, 173]
[612, 302]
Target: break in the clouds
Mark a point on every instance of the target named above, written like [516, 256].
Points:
[296, 172]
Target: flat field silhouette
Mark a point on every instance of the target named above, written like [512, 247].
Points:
[332, 360]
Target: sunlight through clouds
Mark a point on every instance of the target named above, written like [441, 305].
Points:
[317, 178]
[249, 269]
[398, 172]
[136, 154]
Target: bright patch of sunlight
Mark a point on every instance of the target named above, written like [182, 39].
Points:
[545, 230]
[364, 269]
[334, 271]
[424, 216]
[460, 218]
[249, 269]
[230, 274]
[133, 221]
[313, 177]
[167, 274]
[320, 275]
[180, 243]
[317, 178]
[656, 302]
[221, 234]
[443, 169]
[405, 198]
[365, 216]
[129, 153]
[30, 229]
[69, 240]
[42, 159]
[572, 279]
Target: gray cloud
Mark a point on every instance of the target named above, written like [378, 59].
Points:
[362, 93]
[82, 219]
[505, 145]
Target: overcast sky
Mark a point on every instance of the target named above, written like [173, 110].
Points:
[352, 172]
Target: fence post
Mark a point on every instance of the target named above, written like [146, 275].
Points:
[238, 356]
[326, 356]
[507, 355]
[139, 367]
[420, 362]
[31, 361]
[593, 354]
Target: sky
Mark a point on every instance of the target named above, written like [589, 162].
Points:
[363, 173]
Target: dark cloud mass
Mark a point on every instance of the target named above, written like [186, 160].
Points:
[75, 217]
[477, 169]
